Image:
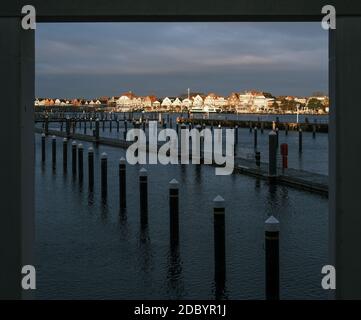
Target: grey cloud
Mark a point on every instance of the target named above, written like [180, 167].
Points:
[164, 57]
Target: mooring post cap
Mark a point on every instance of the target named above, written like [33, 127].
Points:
[43, 135]
[174, 184]
[80, 146]
[65, 140]
[272, 133]
[90, 149]
[104, 155]
[272, 224]
[53, 137]
[218, 202]
[122, 160]
[143, 172]
[74, 143]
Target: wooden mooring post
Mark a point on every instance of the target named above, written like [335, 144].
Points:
[174, 212]
[272, 268]
[90, 169]
[43, 147]
[104, 175]
[122, 184]
[65, 155]
[143, 196]
[219, 244]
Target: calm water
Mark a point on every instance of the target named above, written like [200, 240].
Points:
[87, 249]
[314, 157]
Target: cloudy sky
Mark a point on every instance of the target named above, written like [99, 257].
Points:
[107, 59]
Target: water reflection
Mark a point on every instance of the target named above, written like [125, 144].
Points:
[220, 289]
[175, 283]
[257, 184]
[104, 210]
[198, 174]
[90, 199]
[144, 234]
[123, 223]
[144, 253]
[183, 173]
[272, 201]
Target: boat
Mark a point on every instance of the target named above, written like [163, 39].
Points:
[206, 109]
[197, 110]
[209, 109]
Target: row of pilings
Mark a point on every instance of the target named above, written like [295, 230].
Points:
[271, 231]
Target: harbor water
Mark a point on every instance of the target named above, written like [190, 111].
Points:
[88, 248]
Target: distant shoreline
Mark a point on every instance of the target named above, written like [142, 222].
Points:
[93, 109]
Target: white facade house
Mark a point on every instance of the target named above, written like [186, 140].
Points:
[210, 100]
[260, 102]
[136, 102]
[253, 101]
[156, 104]
[198, 101]
[221, 102]
[124, 102]
[166, 103]
[301, 100]
[176, 103]
[187, 103]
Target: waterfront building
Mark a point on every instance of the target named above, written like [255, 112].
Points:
[198, 101]
[166, 104]
[156, 105]
[187, 103]
[210, 100]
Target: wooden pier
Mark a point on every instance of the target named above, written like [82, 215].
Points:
[267, 125]
[309, 181]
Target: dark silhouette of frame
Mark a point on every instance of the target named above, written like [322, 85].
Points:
[17, 67]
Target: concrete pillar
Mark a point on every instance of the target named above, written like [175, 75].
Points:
[345, 157]
[17, 65]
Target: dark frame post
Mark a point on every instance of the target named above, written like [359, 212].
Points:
[17, 219]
